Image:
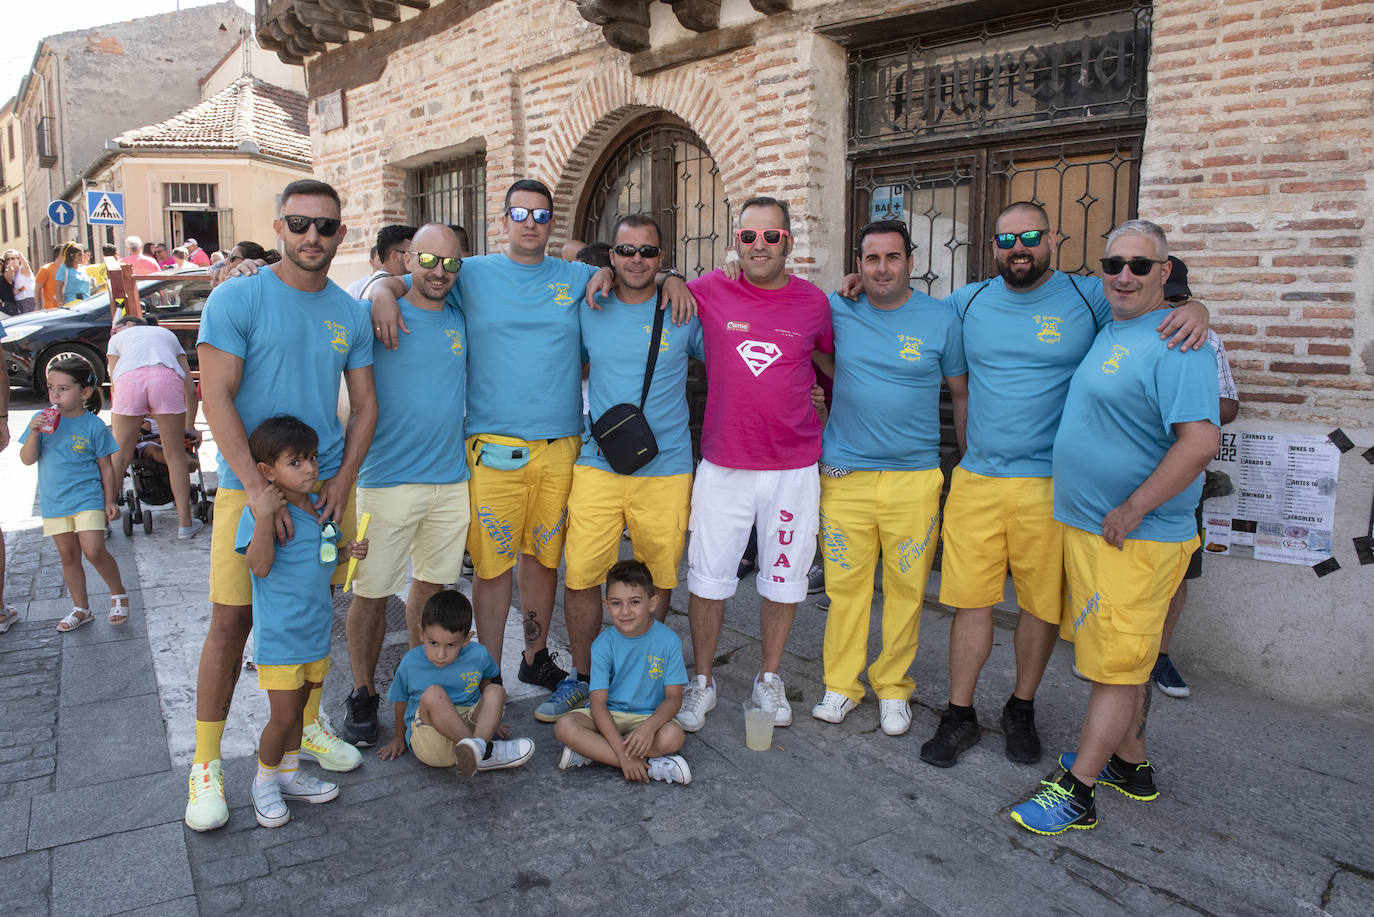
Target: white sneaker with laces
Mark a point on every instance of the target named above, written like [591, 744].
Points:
[833, 707]
[507, 753]
[698, 699]
[670, 769]
[206, 809]
[330, 752]
[894, 715]
[771, 694]
[570, 759]
[311, 789]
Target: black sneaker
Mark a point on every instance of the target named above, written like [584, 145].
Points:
[1023, 742]
[543, 672]
[952, 737]
[1134, 780]
[360, 718]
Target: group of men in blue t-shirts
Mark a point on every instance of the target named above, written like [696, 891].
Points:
[1085, 412]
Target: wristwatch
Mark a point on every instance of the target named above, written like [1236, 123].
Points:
[674, 272]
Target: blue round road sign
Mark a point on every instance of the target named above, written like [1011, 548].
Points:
[61, 213]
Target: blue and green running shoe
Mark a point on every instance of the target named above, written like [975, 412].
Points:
[1134, 780]
[1055, 809]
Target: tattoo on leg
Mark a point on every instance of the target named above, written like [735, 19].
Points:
[533, 630]
[233, 683]
[1144, 711]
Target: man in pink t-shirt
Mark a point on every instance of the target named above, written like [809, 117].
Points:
[196, 253]
[760, 443]
[138, 262]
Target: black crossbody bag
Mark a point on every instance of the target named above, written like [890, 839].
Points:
[623, 433]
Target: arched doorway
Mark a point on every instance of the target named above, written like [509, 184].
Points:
[659, 166]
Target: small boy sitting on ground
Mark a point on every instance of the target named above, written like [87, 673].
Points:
[447, 705]
[636, 689]
[293, 615]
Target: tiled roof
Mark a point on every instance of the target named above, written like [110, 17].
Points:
[248, 110]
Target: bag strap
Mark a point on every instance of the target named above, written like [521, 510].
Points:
[654, 337]
[1091, 314]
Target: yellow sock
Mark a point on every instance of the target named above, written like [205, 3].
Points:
[208, 737]
[312, 705]
[290, 763]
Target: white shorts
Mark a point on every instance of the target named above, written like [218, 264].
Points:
[726, 503]
[421, 524]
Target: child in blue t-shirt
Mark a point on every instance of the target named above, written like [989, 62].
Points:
[636, 689]
[292, 610]
[77, 490]
[448, 705]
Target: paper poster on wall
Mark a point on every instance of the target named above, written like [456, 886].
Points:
[1272, 496]
[887, 203]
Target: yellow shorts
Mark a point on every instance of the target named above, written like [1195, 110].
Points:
[995, 523]
[431, 746]
[524, 511]
[88, 520]
[291, 677]
[230, 582]
[625, 722]
[602, 503]
[424, 525]
[1117, 602]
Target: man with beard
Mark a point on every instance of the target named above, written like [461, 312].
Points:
[1025, 332]
[275, 343]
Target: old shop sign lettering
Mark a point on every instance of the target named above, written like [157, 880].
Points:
[952, 88]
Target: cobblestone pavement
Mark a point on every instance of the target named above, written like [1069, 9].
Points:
[1265, 808]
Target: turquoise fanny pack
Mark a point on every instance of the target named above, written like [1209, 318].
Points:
[503, 457]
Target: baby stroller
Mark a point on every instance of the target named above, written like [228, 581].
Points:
[150, 485]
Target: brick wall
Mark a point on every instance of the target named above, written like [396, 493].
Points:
[1257, 161]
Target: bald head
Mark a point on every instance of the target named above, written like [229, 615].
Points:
[430, 285]
[437, 239]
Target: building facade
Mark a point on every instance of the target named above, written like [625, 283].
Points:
[13, 212]
[89, 85]
[1245, 128]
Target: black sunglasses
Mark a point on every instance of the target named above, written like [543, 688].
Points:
[428, 260]
[1030, 238]
[1139, 266]
[299, 225]
[625, 250]
[521, 214]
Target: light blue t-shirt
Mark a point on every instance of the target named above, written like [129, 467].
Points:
[524, 367]
[634, 670]
[421, 387]
[616, 341]
[461, 679]
[1022, 349]
[294, 346]
[888, 369]
[69, 465]
[293, 613]
[77, 283]
[1119, 421]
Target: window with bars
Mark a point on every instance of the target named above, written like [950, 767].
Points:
[189, 196]
[452, 191]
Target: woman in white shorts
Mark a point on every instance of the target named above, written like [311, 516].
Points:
[149, 376]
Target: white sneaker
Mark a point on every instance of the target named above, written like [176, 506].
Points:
[894, 716]
[311, 789]
[670, 769]
[698, 699]
[571, 759]
[329, 751]
[833, 707]
[506, 753]
[206, 809]
[268, 805]
[468, 752]
[771, 694]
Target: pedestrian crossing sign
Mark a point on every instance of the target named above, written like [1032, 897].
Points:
[105, 208]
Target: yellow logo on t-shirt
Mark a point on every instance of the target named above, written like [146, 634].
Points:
[562, 293]
[1049, 328]
[455, 340]
[911, 348]
[338, 336]
[662, 340]
[1113, 363]
[656, 664]
[472, 680]
[80, 443]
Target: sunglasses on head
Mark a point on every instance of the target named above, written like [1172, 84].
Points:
[329, 534]
[428, 260]
[1030, 238]
[521, 214]
[625, 250]
[771, 236]
[299, 225]
[1139, 266]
